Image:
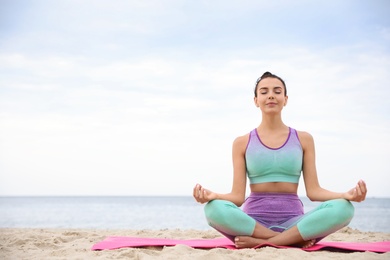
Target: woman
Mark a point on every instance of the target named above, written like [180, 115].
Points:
[273, 156]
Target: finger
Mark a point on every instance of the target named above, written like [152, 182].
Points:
[361, 185]
[363, 189]
[197, 191]
[359, 191]
[364, 195]
[201, 191]
[354, 194]
[359, 195]
[194, 192]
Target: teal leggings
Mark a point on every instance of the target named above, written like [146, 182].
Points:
[325, 219]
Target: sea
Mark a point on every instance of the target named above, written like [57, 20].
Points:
[146, 212]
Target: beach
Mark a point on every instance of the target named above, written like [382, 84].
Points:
[43, 243]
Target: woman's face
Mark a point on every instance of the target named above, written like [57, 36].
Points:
[270, 95]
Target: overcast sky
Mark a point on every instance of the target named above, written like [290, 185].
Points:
[146, 97]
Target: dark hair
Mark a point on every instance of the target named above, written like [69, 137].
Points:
[268, 74]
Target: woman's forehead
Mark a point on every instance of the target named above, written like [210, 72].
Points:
[270, 82]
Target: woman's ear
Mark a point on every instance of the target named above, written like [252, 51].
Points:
[255, 101]
[285, 100]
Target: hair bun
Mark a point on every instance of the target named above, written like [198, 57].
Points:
[267, 74]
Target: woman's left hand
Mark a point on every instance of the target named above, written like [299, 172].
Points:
[358, 193]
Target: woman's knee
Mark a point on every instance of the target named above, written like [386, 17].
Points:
[343, 210]
[228, 218]
[217, 211]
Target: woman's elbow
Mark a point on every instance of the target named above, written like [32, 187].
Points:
[311, 196]
[239, 201]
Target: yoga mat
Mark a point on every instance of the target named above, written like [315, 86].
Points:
[115, 242]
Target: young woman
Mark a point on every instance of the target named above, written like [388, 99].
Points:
[273, 156]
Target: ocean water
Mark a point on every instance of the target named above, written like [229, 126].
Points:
[146, 213]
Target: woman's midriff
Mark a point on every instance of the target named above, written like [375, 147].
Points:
[282, 187]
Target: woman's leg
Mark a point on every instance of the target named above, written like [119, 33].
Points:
[326, 219]
[231, 221]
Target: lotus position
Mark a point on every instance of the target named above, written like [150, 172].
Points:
[273, 156]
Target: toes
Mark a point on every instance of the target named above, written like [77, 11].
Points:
[309, 243]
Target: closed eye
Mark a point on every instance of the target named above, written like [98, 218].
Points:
[278, 90]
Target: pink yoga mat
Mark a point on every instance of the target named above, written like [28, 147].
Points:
[115, 242]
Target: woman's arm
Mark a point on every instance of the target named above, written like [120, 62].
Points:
[237, 194]
[313, 189]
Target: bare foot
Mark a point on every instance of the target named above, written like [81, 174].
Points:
[248, 242]
[309, 243]
[306, 244]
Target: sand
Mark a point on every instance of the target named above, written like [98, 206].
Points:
[19, 243]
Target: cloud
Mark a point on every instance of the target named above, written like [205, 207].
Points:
[145, 94]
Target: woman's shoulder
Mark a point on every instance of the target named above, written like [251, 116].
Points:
[304, 137]
[241, 141]
[303, 134]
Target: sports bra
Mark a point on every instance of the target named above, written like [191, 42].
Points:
[266, 164]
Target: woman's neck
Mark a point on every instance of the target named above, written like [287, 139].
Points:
[272, 123]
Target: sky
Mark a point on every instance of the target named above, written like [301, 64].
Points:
[118, 98]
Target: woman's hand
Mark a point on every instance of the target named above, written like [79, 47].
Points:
[358, 193]
[202, 195]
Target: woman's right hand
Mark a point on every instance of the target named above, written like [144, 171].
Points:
[203, 195]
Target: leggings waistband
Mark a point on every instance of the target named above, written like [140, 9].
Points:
[280, 195]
